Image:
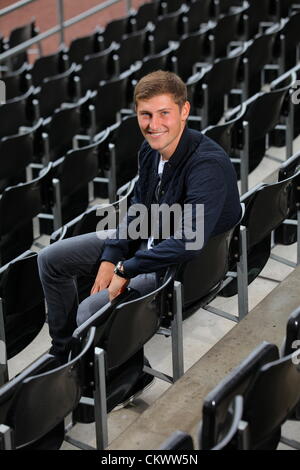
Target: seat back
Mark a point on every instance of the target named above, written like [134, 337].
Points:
[270, 400]
[95, 68]
[216, 414]
[111, 97]
[17, 36]
[199, 12]
[18, 206]
[86, 45]
[224, 32]
[258, 54]
[16, 83]
[48, 66]
[24, 314]
[16, 152]
[17, 112]
[291, 40]
[37, 401]
[292, 333]
[204, 273]
[123, 326]
[167, 28]
[160, 61]
[127, 149]
[146, 13]
[266, 209]
[61, 136]
[55, 90]
[133, 47]
[114, 31]
[287, 234]
[190, 51]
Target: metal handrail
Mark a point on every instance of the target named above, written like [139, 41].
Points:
[58, 28]
[15, 6]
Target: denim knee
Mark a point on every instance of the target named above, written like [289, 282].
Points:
[91, 305]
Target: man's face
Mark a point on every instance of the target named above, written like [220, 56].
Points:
[162, 122]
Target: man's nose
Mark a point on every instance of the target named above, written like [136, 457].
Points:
[154, 123]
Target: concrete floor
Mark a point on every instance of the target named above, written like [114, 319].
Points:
[201, 331]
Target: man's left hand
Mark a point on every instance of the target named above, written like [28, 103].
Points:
[117, 286]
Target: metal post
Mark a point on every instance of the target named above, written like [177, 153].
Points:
[6, 438]
[244, 169]
[57, 209]
[60, 17]
[242, 276]
[3, 355]
[289, 130]
[128, 5]
[112, 184]
[100, 401]
[177, 337]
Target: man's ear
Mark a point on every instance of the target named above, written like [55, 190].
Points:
[185, 111]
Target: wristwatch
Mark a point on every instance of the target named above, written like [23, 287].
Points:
[119, 270]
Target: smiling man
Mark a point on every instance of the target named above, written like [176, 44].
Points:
[177, 166]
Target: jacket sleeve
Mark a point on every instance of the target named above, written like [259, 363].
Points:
[205, 195]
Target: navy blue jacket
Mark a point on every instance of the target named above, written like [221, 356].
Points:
[199, 172]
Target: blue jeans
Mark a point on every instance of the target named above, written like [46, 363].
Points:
[59, 266]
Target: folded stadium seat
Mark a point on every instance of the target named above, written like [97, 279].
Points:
[115, 29]
[16, 153]
[269, 388]
[17, 83]
[287, 44]
[107, 103]
[266, 207]
[256, 57]
[123, 327]
[22, 316]
[249, 137]
[89, 221]
[18, 36]
[147, 12]
[191, 50]
[133, 47]
[288, 232]
[224, 34]
[18, 112]
[169, 27]
[122, 163]
[67, 193]
[204, 277]
[179, 440]
[54, 138]
[268, 399]
[207, 91]
[19, 205]
[86, 45]
[258, 16]
[291, 76]
[54, 91]
[150, 63]
[34, 404]
[95, 68]
[222, 134]
[198, 13]
[49, 66]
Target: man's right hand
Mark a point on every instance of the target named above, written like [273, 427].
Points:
[104, 277]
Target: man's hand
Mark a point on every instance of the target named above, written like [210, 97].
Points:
[117, 286]
[104, 277]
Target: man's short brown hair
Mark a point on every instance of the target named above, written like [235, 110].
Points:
[161, 82]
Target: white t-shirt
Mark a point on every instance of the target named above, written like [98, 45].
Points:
[160, 172]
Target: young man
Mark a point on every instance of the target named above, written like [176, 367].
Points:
[176, 166]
